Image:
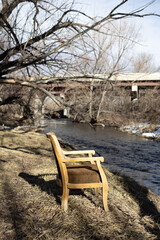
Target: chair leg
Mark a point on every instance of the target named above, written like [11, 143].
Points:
[105, 189]
[96, 191]
[65, 195]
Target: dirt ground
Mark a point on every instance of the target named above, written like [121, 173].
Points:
[30, 199]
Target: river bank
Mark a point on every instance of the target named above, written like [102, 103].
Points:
[148, 130]
[143, 129]
[30, 199]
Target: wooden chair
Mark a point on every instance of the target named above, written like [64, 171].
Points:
[81, 176]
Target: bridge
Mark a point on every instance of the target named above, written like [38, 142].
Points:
[138, 79]
[133, 81]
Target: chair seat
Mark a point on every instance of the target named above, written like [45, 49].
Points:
[83, 174]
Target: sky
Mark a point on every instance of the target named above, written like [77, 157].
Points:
[149, 26]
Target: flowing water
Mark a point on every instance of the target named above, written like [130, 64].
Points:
[131, 155]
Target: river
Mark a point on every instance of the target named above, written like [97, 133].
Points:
[128, 154]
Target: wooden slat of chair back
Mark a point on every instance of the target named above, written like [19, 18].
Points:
[57, 151]
[56, 146]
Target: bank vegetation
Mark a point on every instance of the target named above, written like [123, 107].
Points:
[114, 106]
[24, 106]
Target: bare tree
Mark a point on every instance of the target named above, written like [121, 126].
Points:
[143, 62]
[107, 55]
[37, 37]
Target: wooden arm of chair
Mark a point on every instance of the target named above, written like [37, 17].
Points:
[79, 152]
[83, 159]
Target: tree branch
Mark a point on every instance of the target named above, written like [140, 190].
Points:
[32, 85]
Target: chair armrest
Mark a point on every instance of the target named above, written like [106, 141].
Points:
[79, 152]
[83, 159]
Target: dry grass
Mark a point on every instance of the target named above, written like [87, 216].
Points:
[30, 200]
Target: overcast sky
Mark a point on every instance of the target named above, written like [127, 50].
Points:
[149, 26]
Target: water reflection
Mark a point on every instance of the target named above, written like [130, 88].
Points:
[128, 154]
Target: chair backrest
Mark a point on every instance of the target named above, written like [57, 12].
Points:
[57, 151]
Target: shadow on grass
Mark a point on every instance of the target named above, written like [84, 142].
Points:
[29, 150]
[2, 160]
[140, 194]
[50, 187]
[147, 207]
[13, 212]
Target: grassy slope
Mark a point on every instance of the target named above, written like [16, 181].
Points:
[30, 199]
